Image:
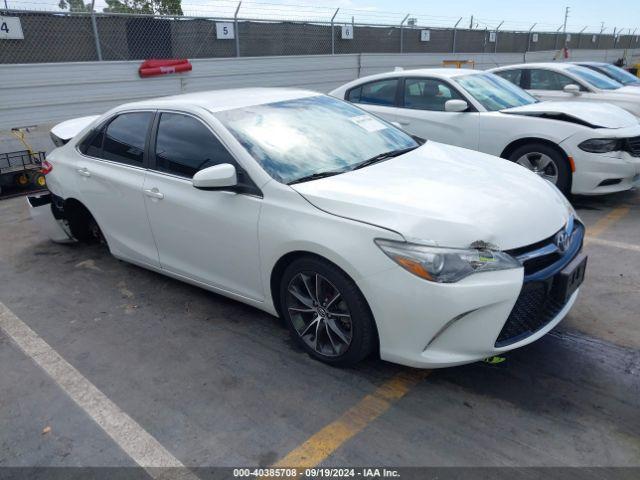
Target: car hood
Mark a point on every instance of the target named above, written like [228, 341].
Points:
[594, 115]
[629, 89]
[446, 196]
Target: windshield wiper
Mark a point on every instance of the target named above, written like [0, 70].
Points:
[382, 156]
[315, 176]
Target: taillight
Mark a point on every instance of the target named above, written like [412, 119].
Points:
[46, 167]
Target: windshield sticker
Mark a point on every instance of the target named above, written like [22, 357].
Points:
[370, 124]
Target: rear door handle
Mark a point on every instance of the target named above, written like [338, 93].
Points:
[83, 172]
[154, 193]
[404, 123]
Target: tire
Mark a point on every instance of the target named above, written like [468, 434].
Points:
[344, 325]
[539, 152]
[21, 180]
[39, 180]
[83, 226]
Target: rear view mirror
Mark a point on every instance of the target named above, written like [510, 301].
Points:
[572, 88]
[455, 106]
[218, 177]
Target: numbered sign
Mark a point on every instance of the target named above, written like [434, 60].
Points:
[594, 39]
[492, 37]
[224, 31]
[425, 35]
[568, 37]
[347, 32]
[534, 38]
[10, 28]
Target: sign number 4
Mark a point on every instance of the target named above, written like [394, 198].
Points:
[10, 28]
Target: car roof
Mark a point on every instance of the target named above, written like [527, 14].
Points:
[220, 100]
[593, 64]
[436, 72]
[549, 65]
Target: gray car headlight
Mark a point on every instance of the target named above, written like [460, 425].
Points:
[601, 145]
[445, 265]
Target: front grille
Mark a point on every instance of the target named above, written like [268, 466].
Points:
[536, 305]
[534, 309]
[633, 146]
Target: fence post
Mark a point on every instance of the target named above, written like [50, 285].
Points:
[555, 47]
[333, 35]
[94, 27]
[495, 44]
[580, 38]
[402, 32]
[237, 31]
[526, 50]
[455, 29]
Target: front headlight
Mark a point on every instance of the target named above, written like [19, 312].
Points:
[445, 265]
[601, 145]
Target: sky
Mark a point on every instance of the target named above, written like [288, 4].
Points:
[517, 15]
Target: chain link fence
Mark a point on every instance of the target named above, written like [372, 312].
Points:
[78, 37]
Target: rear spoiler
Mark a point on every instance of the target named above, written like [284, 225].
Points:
[65, 131]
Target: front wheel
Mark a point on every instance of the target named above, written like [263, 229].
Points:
[546, 162]
[326, 312]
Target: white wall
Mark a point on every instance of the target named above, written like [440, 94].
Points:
[33, 94]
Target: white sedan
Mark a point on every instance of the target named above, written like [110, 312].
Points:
[581, 148]
[570, 82]
[618, 74]
[307, 207]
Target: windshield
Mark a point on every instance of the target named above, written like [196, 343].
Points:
[619, 74]
[297, 138]
[595, 79]
[493, 92]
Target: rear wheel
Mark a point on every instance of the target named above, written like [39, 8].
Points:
[326, 312]
[83, 226]
[546, 162]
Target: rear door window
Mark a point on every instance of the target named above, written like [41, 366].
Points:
[514, 76]
[122, 140]
[382, 92]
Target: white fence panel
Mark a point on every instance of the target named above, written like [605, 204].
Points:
[37, 94]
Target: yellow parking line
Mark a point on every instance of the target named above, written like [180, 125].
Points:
[326, 441]
[605, 222]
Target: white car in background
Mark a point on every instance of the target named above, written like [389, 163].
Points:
[309, 208]
[581, 148]
[570, 82]
[618, 74]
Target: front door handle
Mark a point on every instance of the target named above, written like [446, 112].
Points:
[154, 193]
[403, 123]
[83, 172]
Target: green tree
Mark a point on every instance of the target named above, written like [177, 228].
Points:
[74, 5]
[158, 7]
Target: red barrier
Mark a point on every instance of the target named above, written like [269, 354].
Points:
[150, 68]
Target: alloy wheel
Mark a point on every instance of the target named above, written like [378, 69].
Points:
[319, 314]
[540, 164]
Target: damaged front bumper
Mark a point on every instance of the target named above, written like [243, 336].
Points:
[46, 215]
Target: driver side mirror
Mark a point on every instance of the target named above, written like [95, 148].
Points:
[572, 88]
[455, 106]
[217, 177]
